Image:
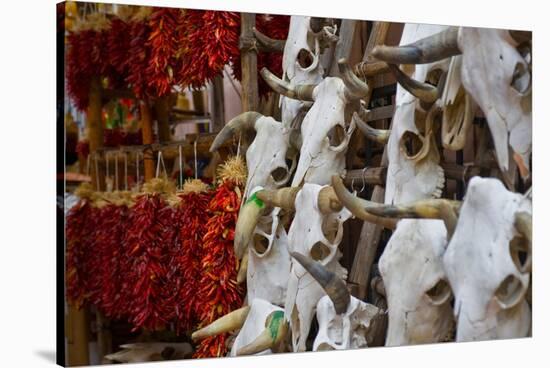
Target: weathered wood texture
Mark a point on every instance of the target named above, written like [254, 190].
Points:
[162, 113]
[148, 138]
[249, 82]
[218, 109]
[77, 337]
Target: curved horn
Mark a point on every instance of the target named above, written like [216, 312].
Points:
[246, 223]
[423, 91]
[524, 225]
[375, 135]
[358, 206]
[442, 209]
[244, 121]
[427, 50]
[241, 276]
[303, 92]
[268, 43]
[283, 197]
[335, 287]
[355, 87]
[327, 201]
[270, 338]
[231, 321]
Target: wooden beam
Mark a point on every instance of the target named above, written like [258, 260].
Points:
[249, 64]
[77, 336]
[379, 113]
[147, 137]
[218, 109]
[94, 124]
[162, 114]
[344, 44]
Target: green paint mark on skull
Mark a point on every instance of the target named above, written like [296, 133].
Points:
[276, 320]
[255, 199]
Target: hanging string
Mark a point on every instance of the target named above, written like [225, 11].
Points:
[107, 155]
[116, 170]
[180, 161]
[160, 161]
[126, 171]
[239, 145]
[195, 152]
[364, 181]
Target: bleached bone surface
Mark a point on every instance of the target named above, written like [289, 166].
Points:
[412, 263]
[343, 331]
[268, 269]
[266, 154]
[478, 260]
[254, 325]
[409, 180]
[150, 352]
[489, 61]
[319, 160]
[306, 236]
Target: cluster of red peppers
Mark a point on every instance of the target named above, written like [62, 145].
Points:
[157, 48]
[155, 258]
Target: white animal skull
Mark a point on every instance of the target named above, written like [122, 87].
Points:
[494, 72]
[266, 155]
[419, 309]
[316, 236]
[482, 264]
[413, 158]
[268, 260]
[151, 352]
[344, 321]
[263, 329]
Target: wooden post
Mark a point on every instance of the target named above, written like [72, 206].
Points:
[95, 127]
[104, 337]
[369, 238]
[147, 135]
[218, 109]
[249, 63]
[77, 336]
[162, 113]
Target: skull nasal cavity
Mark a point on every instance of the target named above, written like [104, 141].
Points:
[519, 250]
[319, 251]
[279, 174]
[305, 59]
[261, 243]
[521, 78]
[411, 143]
[336, 135]
[510, 292]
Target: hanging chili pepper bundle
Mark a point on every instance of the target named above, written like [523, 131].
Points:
[145, 245]
[193, 207]
[212, 40]
[118, 44]
[80, 68]
[164, 45]
[218, 292]
[139, 53]
[79, 246]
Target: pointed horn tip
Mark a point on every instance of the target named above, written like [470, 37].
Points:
[343, 61]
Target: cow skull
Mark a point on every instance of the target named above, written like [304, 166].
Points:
[266, 155]
[263, 329]
[344, 321]
[494, 72]
[419, 309]
[325, 133]
[486, 273]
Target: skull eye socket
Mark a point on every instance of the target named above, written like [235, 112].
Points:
[280, 174]
[520, 253]
[434, 76]
[411, 144]
[439, 293]
[336, 136]
[510, 292]
[521, 79]
[319, 251]
[305, 58]
[261, 244]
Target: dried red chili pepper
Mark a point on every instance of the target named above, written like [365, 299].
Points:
[218, 292]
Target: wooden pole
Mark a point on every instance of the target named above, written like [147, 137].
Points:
[249, 63]
[162, 113]
[369, 237]
[218, 109]
[77, 337]
[94, 125]
[147, 135]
